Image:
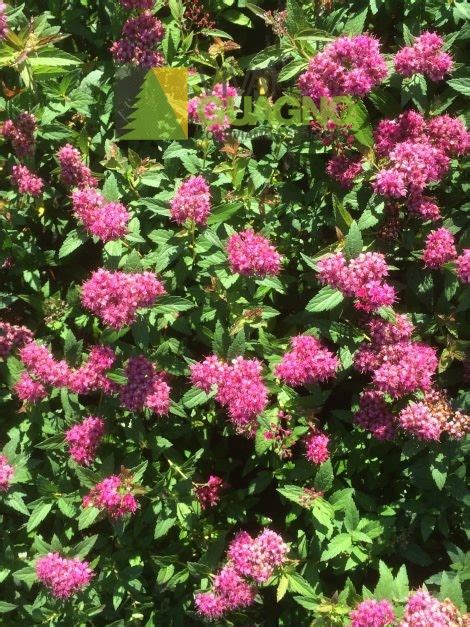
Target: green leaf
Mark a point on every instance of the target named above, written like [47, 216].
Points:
[356, 24]
[84, 547]
[87, 517]
[224, 212]
[237, 347]
[340, 544]
[452, 589]
[111, 190]
[324, 477]
[73, 241]
[163, 527]
[351, 519]
[195, 397]
[353, 242]
[385, 585]
[6, 607]
[38, 514]
[170, 304]
[53, 443]
[282, 588]
[327, 298]
[301, 586]
[462, 85]
[439, 476]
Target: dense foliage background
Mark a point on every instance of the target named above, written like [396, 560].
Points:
[379, 517]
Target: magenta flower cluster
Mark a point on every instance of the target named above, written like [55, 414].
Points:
[240, 388]
[63, 576]
[374, 415]
[415, 153]
[463, 266]
[372, 613]
[114, 496]
[251, 561]
[140, 36]
[6, 473]
[347, 66]
[3, 21]
[208, 494]
[308, 362]
[251, 254]
[115, 297]
[362, 279]
[21, 134]
[83, 439]
[398, 365]
[192, 201]
[106, 220]
[43, 371]
[26, 181]
[142, 5]
[146, 387]
[425, 56]
[210, 108]
[439, 249]
[345, 169]
[73, 172]
[423, 610]
[12, 336]
[316, 447]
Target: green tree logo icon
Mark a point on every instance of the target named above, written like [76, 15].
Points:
[161, 106]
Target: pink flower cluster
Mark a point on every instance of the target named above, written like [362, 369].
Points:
[106, 220]
[64, 577]
[140, 36]
[113, 495]
[251, 561]
[344, 169]
[91, 375]
[347, 66]
[417, 420]
[3, 21]
[73, 172]
[417, 152]
[142, 5]
[40, 362]
[12, 336]
[240, 388]
[316, 447]
[398, 364]
[26, 181]
[208, 494]
[308, 362]
[44, 370]
[463, 266]
[251, 254]
[210, 108]
[372, 613]
[423, 610]
[440, 248]
[362, 279]
[192, 201]
[21, 133]
[6, 473]
[84, 439]
[115, 297]
[375, 416]
[146, 387]
[425, 56]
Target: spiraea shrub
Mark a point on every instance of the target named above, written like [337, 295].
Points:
[234, 367]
